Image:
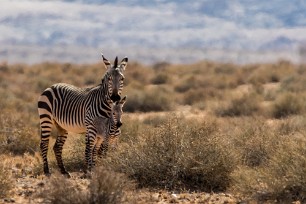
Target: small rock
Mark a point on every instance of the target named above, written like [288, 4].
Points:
[174, 198]
[9, 200]
[40, 184]
[155, 197]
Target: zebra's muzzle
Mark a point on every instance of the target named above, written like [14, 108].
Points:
[115, 97]
[119, 124]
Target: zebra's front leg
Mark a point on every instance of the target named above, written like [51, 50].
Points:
[90, 142]
[58, 149]
[103, 148]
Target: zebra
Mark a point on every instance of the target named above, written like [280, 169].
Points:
[74, 109]
[107, 128]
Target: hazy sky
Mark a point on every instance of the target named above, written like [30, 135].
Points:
[241, 25]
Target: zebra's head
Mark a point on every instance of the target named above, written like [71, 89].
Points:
[117, 111]
[115, 77]
[116, 117]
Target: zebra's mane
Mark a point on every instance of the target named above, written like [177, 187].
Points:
[88, 89]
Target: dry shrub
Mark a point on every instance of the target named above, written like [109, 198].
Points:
[288, 104]
[291, 125]
[149, 100]
[178, 154]
[6, 183]
[19, 142]
[245, 105]
[160, 78]
[189, 83]
[282, 179]
[15, 137]
[271, 73]
[104, 187]
[255, 143]
[193, 96]
[136, 72]
[294, 83]
[59, 189]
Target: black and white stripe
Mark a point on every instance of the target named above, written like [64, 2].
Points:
[107, 129]
[75, 109]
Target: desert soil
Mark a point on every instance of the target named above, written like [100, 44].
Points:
[26, 188]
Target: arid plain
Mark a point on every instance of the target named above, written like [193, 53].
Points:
[206, 132]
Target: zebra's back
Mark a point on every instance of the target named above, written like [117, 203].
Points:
[64, 104]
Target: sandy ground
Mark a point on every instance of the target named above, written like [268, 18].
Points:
[26, 189]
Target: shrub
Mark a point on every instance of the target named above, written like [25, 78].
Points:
[16, 138]
[186, 85]
[294, 83]
[255, 143]
[149, 100]
[282, 179]
[178, 154]
[287, 104]
[246, 105]
[104, 187]
[59, 189]
[6, 183]
[160, 79]
[193, 96]
[19, 142]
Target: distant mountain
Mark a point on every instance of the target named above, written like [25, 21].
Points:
[150, 31]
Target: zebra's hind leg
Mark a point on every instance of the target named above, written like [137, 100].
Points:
[58, 149]
[46, 126]
[44, 150]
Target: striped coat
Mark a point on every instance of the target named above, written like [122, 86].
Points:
[74, 109]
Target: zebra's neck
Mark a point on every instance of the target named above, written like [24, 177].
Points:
[100, 97]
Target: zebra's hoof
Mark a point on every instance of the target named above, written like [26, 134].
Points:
[48, 174]
[66, 174]
[86, 175]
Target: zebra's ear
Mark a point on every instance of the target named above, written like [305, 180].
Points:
[106, 62]
[123, 100]
[116, 62]
[123, 63]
